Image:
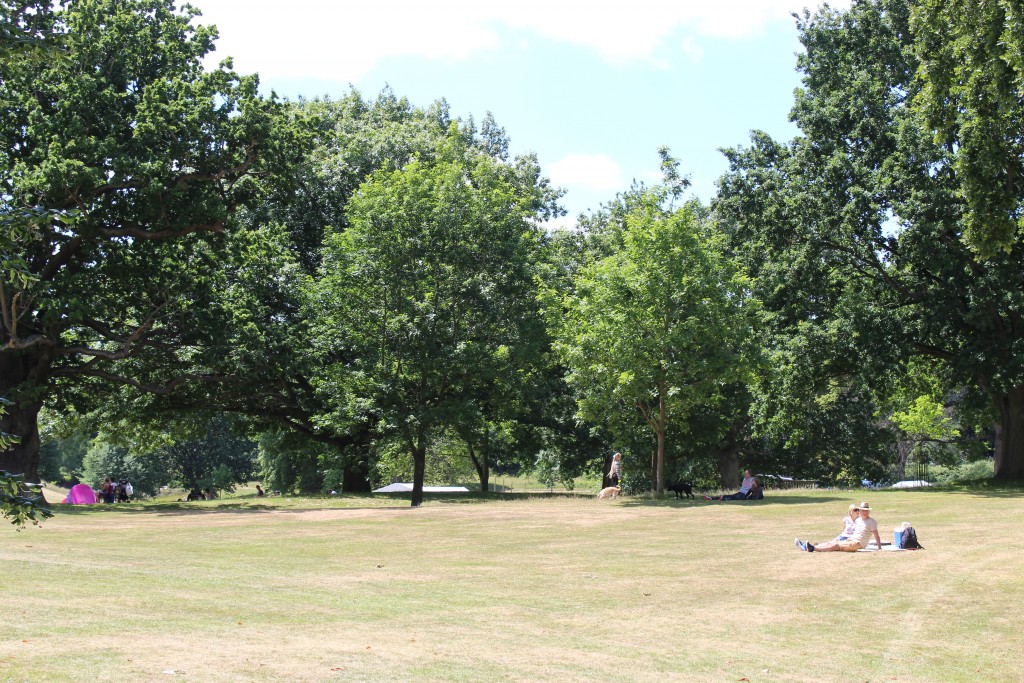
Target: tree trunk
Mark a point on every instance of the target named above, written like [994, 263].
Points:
[729, 466]
[485, 476]
[659, 467]
[419, 466]
[654, 464]
[903, 452]
[729, 459]
[1009, 446]
[481, 464]
[659, 460]
[22, 381]
[355, 478]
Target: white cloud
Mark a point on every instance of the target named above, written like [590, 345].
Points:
[342, 41]
[587, 171]
[692, 49]
[560, 223]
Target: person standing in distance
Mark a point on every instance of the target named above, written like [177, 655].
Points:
[615, 472]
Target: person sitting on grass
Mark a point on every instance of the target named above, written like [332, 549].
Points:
[864, 527]
[849, 524]
[748, 485]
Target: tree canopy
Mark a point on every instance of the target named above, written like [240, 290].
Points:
[126, 160]
[656, 329]
[430, 294]
[357, 281]
[859, 229]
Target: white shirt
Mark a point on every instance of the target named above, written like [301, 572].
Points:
[862, 529]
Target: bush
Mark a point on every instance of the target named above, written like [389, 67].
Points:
[635, 484]
[978, 470]
[547, 470]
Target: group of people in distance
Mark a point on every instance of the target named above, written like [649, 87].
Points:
[858, 526]
[116, 491]
[750, 488]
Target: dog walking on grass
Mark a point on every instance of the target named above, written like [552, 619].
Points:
[610, 492]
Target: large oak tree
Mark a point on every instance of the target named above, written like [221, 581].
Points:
[863, 232]
[131, 159]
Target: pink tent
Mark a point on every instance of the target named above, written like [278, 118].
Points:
[81, 494]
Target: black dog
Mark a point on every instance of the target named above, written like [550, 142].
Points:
[680, 488]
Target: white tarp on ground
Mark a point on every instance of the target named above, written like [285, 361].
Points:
[407, 488]
[910, 484]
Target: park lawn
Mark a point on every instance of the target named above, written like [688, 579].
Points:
[515, 588]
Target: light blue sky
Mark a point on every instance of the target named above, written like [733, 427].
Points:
[593, 89]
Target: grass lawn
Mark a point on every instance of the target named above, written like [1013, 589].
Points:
[515, 588]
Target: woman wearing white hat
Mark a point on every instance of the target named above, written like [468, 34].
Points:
[865, 526]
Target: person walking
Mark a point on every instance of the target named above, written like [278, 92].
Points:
[615, 472]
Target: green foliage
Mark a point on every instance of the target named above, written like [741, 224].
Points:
[61, 459]
[635, 483]
[853, 234]
[547, 469]
[962, 473]
[925, 419]
[447, 462]
[26, 35]
[290, 461]
[122, 160]
[17, 502]
[274, 378]
[212, 456]
[653, 331]
[428, 296]
[6, 440]
[147, 472]
[972, 96]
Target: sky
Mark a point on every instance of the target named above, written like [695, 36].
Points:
[593, 89]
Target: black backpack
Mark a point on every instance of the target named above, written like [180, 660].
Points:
[910, 539]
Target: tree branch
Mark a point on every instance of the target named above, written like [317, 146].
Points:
[129, 349]
[61, 258]
[159, 390]
[141, 233]
[29, 342]
[935, 351]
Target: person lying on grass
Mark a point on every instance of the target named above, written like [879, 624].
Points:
[865, 526]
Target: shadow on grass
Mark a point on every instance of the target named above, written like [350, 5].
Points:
[299, 504]
[402, 501]
[987, 489]
[153, 508]
[639, 501]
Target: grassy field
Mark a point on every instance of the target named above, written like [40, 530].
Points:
[515, 588]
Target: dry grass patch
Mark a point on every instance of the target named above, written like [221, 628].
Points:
[548, 588]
